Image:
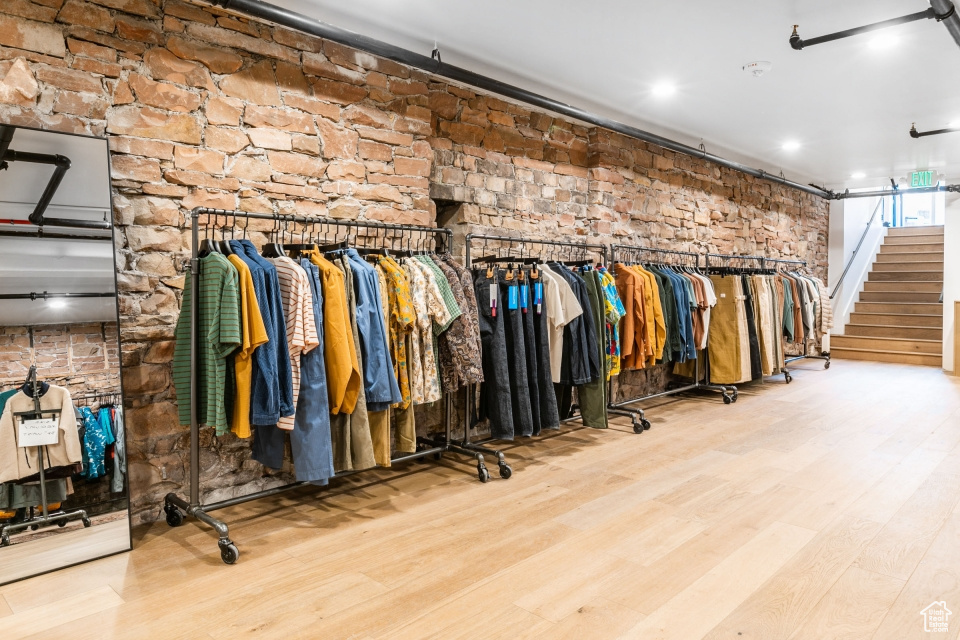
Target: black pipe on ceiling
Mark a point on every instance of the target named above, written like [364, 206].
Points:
[61, 165]
[947, 14]
[946, 188]
[798, 43]
[299, 22]
[50, 296]
[935, 132]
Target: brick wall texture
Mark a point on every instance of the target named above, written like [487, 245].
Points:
[205, 109]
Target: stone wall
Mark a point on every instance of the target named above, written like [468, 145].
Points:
[205, 109]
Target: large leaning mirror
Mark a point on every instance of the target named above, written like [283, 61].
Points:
[63, 486]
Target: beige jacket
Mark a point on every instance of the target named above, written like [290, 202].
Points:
[16, 463]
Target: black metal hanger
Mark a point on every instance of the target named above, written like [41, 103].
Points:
[274, 249]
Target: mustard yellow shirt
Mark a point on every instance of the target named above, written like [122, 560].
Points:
[339, 350]
[253, 334]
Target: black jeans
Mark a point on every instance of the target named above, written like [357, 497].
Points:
[494, 403]
[549, 413]
[516, 360]
[530, 344]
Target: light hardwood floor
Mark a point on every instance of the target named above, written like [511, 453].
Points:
[822, 509]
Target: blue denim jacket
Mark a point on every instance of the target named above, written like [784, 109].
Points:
[379, 382]
[272, 386]
[310, 441]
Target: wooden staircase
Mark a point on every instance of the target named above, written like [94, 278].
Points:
[899, 317]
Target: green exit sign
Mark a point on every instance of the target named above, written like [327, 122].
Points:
[921, 179]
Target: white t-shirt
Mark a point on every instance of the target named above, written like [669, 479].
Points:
[562, 309]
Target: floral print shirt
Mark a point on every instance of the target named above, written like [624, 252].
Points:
[403, 318]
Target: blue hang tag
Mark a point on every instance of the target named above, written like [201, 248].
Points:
[538, 296]
[524, 297]
[512, 295]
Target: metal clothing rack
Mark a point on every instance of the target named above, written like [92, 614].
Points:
[806, 355]
[627, 254]
[103, 397]
[46, 518]
[375, 234]
[518, 247]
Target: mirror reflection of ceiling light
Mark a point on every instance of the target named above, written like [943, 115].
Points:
[57, 303]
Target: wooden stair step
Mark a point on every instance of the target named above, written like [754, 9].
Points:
[897, 319]
[894, 331]
[918, 230]
[927, 276]
[915, 247]
[934, 347]
[916, 239]
[899, 296]
[907, 256]
[873, 355]
[925, 286]
[929, 265]
[926, 308]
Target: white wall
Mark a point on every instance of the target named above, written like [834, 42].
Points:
[848, 219]
[951, 275]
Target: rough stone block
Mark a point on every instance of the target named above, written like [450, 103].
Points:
[150, 123]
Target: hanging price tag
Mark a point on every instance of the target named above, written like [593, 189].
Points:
[494, 288]
[512, 297]
[36, 433]
[538, 296]
[524, 297]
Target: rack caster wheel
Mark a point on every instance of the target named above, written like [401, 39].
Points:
[61, 523]
[86, 522]
[34, 527]
[505, 471]
[174, 516]
[4, 540]
[645, 423]
[788, 378]
[638, 427]
[228, 552]
[826, 365]
[482, 473]
[438, 457]
[727, 399]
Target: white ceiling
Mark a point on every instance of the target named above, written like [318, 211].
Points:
[848, 104]
[35, 265]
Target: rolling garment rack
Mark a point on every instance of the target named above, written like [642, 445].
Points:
[402, 237]
[575, 251]
[630, 254]
[806, 355]
[46, 518]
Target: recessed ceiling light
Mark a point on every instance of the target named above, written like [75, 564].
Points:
[856, 175]
[664, 89]
[883, 41]
[791, 145]
[56, 303]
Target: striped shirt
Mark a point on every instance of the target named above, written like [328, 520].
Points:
[301, 325]
[218, 335]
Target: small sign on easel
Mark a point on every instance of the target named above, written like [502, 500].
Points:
[38, 433]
